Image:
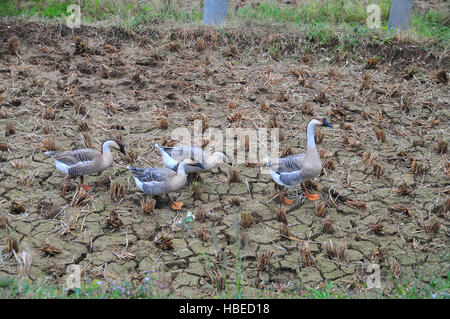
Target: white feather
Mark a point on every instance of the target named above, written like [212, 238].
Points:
[62, 167]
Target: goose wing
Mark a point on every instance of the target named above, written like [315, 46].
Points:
[179, 153]
[288, 164]
[152, 174]
[75, 157]
[293, 178]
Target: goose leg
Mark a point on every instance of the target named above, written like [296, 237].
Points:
[63, 191]
[310, 197]
[85, 187]
[284, 199]
[173, 204]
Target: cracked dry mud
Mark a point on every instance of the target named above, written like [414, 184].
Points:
[123, 83]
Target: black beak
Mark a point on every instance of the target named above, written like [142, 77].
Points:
[325, 123]
[122, 149]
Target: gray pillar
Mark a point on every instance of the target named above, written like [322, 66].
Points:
[214, 11]
[400, 14]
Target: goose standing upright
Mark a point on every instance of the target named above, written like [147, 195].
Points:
[85, 161]
[296, 169]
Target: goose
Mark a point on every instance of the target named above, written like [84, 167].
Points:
[162, 180]
[207, 159]
[85, 161]
[296, 169]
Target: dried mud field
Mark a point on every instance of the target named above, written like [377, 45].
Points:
[384, 187]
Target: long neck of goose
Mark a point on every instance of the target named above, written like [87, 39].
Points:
[310, 135]
[213, 159]
[181, 170]
[107, 154]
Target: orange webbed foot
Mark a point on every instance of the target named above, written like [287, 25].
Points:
[312, 197]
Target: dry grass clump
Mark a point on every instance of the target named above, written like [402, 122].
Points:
[81, 198]
[4, 146]
[401, 209]
[232, 118]
[12, 244]
[402, 190]
[318, 137]
[360, 204]
[246, 219]
[4, 221]
[83, 126]
[285, 232]
[306, 255]
[164, 242]
[234, 202]
[264, 260]
[48, 145]
[163, 123]
[233, 176]
[19, 165]
[378, 170]
[17, 208]
[432, 226]
[10, 128]
[353, 143]
[117, 191]
[148, 205]
[49, 250]
[442, 147]
[377, 227]
[87, 140]
[335, 250]
[281, 215]
[395, 267]
[202, 234]
[442, 77]
[287, 152]
[381, 136]
[418, 168]
[345, 126]
[113, 221]
[13, 45]
[328, 226]
[321, 209]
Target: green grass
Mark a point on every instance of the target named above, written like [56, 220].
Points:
[151, 286]
[320, 20]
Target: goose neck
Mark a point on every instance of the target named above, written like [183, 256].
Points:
[310, 135]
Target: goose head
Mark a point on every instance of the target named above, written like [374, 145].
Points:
[320, 121]
[180, 167]
[113, 144]
[220, 157]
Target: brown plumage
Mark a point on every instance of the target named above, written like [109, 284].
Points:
[85, 161]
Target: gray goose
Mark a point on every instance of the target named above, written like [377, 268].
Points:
[161, 180]
[171, 156]
[296, 169]
[85, 161]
